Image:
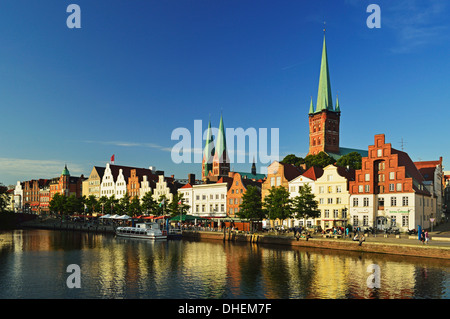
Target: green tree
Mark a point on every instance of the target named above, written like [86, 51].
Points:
[162, 204]
[251, 206]
[305, 205]
[57, 204]
[73, 205]
[3, 198]
[91, 204]
[135, 206]
[320, 160]
[177, 206]
[123, 205]
[148, 205]
[352, 160]
[294, 160]
[277, 203]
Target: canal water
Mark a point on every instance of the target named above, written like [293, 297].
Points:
[34, 264]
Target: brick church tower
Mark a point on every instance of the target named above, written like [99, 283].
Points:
[324, 119]
[215, 163]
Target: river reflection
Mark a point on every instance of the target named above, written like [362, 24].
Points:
[33, 264]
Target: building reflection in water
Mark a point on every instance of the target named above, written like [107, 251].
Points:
[33, 265]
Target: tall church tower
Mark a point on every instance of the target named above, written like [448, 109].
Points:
[221, 162]
[324, 119]
[215, 163]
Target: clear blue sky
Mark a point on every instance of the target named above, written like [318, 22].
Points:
[137, 70]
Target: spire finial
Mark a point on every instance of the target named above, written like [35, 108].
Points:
[324, 27]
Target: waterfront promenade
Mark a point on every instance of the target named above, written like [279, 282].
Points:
[408, 245]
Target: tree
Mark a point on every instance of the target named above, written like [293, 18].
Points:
[294, 160]
[73, 205]
[124, 204]
[161, 207]
[177, 206]
[251, 206]
[320, 160]
[57, 204]
[277, 203]
[352, 160]
[148, 205]
[305, 205]
[3, 198]
[91, 203]
[135, 206]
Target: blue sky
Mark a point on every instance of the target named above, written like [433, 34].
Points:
[137, 70]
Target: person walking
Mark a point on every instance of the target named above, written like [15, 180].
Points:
[427, 237]
[422, 237]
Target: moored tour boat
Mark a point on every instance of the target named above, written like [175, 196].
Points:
[142, 230]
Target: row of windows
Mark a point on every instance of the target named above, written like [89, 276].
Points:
[366, 201]
[338, 189]
[211, 196]
[393, 219]
[212, 208]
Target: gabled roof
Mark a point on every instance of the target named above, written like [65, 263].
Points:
[411, 171]
[313, 173]
[290, 171]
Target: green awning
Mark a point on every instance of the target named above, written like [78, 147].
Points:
[187, 218]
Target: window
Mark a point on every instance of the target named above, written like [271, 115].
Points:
[391, 175]
[330, 189]
[379, 152]
[367, 177]
[399, 187]
[272, 181]
[321, 190]
[367, 188]
[405, 221]
[344, 213]
[338, 189]
[405, 200]
[336, 213]
[237, 183]
[321, 201]
[278, 180]
[329, 178]
[330, 201]
[380, 202]
[391, 187]
[394, 201]
[338, 200]
[365, 220]
[360, 188]
[366, 201]
[327, 213]
[394, 221]
[355, 220]
[355, 202]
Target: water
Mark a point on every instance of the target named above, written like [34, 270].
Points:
[33, 264]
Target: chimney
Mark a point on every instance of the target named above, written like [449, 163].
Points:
[191, 179]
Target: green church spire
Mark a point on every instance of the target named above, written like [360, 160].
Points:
[208, 152]
[324, 100]
[337, 109]
[311, 107]
[221, 143]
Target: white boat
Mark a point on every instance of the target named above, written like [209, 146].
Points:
[142, 230]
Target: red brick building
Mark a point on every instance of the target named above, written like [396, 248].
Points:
[389, 191]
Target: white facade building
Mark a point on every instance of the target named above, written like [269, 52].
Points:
[210, 200]
[18, 197]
